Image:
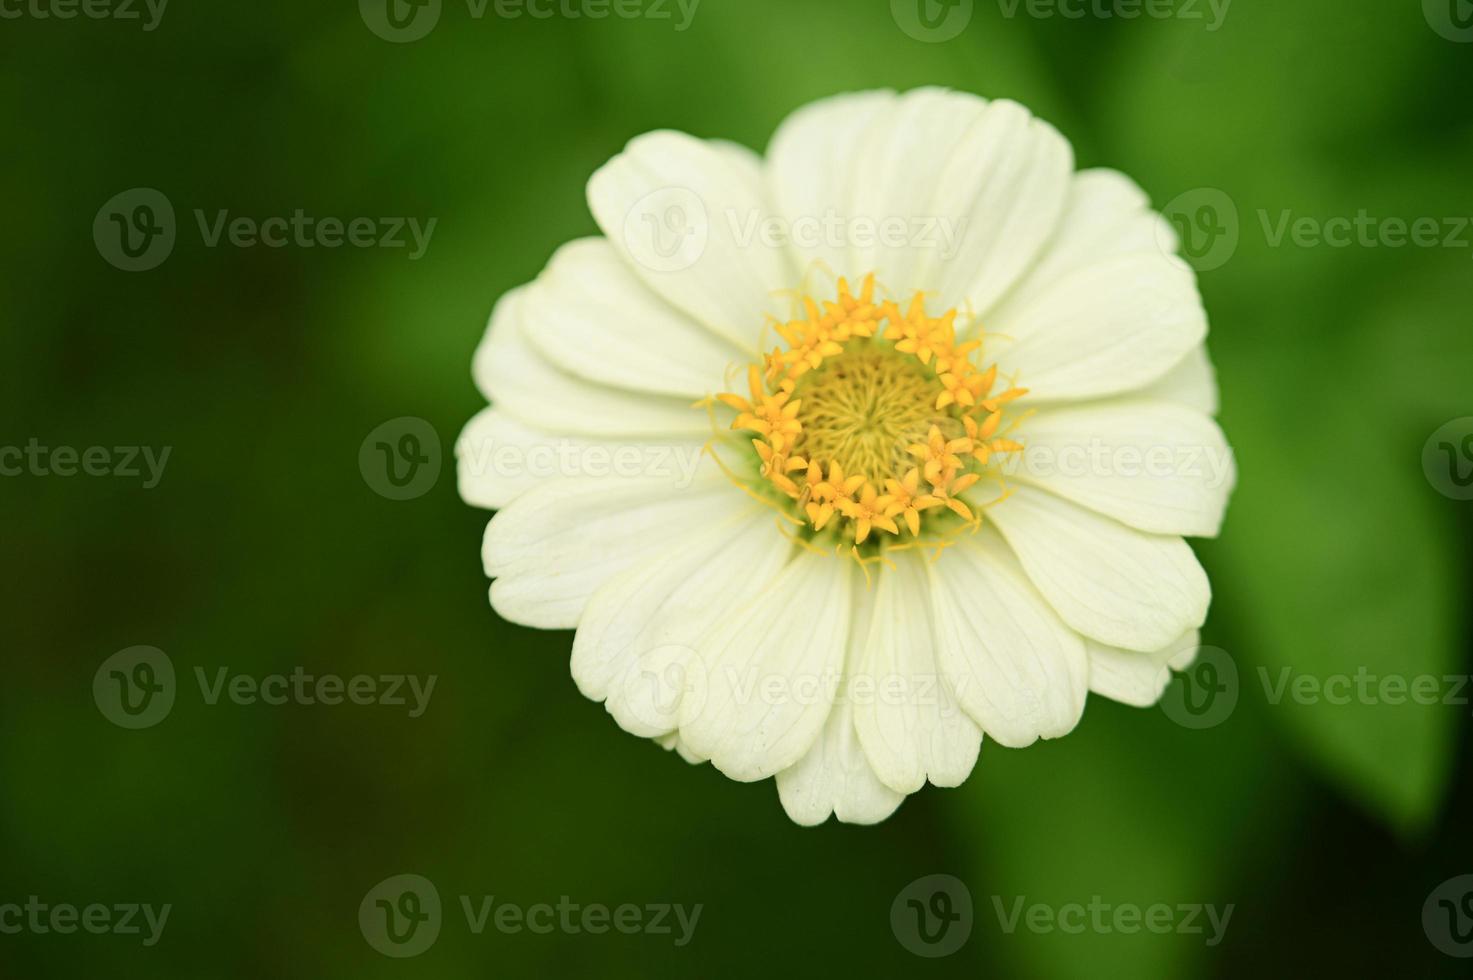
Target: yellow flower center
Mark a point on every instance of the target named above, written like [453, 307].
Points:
[870, 418]
[865, 408]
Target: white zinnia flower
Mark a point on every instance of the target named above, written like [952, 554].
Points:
[956, 410]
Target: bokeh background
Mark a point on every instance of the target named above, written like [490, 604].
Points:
[263, 548]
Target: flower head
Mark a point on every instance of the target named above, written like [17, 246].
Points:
[946, 495]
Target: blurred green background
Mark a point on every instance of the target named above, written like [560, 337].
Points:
[263, 549]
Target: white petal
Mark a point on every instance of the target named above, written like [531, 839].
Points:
[910, 725]
[523, 384]
[687, 217]
[1107, 215]
[1068, 329]
[1015, 667]
[811, 165]
[1193, 382]
[895, 177]
[835, 778]
[640, 632]
[1014, 171]
[672, 741]
[588, 314]
[554, 545]
[1135, 678]
[931, 190]
[747, 165]
[1110, 582]
[1111, 327]
[1157, 466]
[1183, 660]
[499, 459]
[481, 482]
[772, 668]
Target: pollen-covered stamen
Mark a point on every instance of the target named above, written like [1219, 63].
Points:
[869, 511]
[908, 501]
[773, 415]
[984, 443]
[873, 416]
